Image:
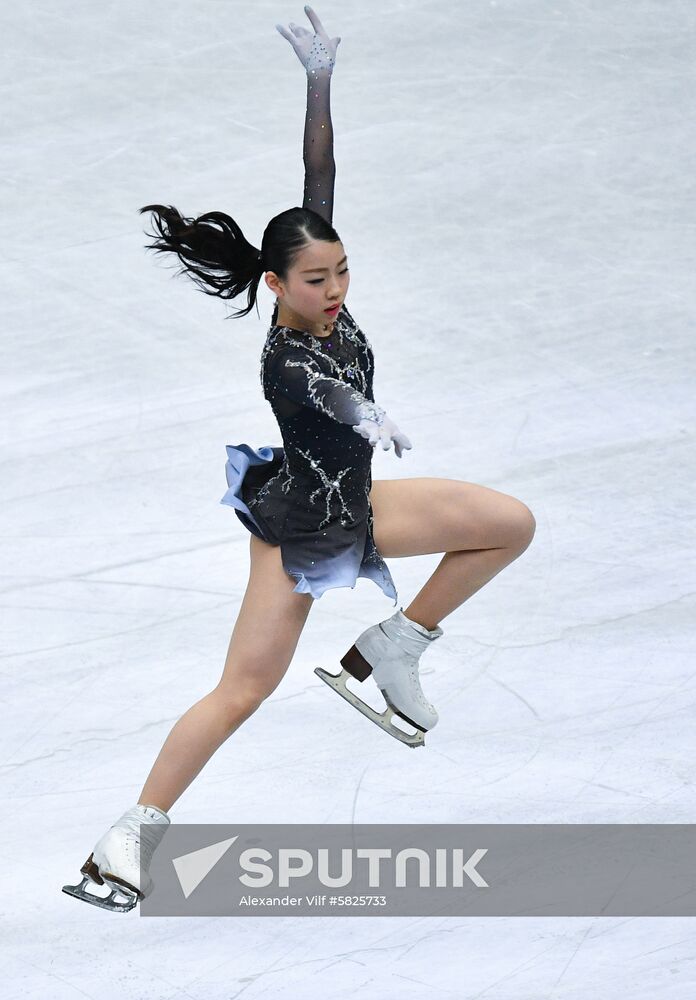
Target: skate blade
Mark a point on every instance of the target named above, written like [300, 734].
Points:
[91, 876]
[381, 719]
[110, 902]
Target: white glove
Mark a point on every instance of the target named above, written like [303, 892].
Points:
[386, 432]
[315, 50]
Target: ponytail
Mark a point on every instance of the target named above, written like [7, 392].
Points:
[212, 249]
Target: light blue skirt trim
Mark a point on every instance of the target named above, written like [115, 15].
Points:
[239, 458]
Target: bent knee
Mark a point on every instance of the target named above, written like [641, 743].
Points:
[522, 524]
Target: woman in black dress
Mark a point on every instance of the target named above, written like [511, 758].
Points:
[316, 519]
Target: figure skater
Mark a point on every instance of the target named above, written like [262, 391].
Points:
[316, 520]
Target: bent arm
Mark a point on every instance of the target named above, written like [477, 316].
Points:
[320, 166]
[296, 374]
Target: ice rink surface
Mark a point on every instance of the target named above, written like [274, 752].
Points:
[515, 190]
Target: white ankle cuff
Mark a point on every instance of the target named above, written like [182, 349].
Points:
[150, 810]
[420, 628]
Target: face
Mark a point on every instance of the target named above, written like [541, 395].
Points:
[319, 278]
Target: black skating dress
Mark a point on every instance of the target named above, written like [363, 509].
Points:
[311, 496]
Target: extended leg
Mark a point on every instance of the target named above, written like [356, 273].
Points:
[263, 642]
[262, 645]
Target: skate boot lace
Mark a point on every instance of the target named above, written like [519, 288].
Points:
[409, 647]
[414, 683]
[139, 850]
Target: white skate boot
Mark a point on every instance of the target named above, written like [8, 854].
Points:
[390, 652]
[117, 857]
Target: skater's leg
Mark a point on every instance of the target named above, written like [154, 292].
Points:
[457, 576]
[479, 529]
[264, 639]
[262, 645]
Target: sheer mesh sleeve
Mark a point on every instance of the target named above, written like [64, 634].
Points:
[320, 166]
[296, 373]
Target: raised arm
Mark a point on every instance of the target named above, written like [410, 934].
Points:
[317, 54]
[319, 163]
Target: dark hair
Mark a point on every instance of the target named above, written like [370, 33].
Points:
[216, 255]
